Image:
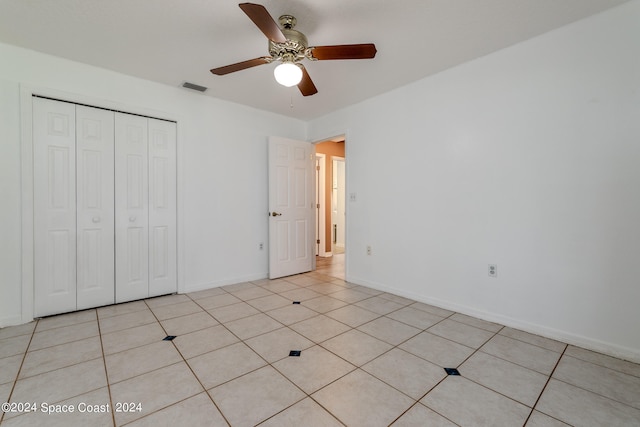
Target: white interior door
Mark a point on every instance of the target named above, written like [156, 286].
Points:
[95, 216]
[291, 207]
[54, 206]
[162, 208]
[131, 207]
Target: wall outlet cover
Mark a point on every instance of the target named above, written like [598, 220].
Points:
[493, 270]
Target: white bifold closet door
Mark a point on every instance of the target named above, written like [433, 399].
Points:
[94, 207]
[162, 207]
[54, 165]
[104, 207]
[145, 207]
[73, 205]
[132, 209]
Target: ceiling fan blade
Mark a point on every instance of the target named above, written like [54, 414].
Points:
[221, 71]
[259, 15]
[344, 51]
[306, 86]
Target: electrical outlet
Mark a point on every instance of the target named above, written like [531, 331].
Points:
[352, 197]
[493, 270]
[261, 246]
[368, 250]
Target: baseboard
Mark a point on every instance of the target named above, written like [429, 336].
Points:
[588, 343]
[11, 321]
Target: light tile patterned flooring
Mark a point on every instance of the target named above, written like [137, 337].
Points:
[368, 359]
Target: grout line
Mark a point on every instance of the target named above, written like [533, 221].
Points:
[535, 345]
[596, 393]
[15, 382]
[603, 366]
[518, 364]
[162, 367]
[64, 326]
[429, 391]
[500, 393]
[533, 408]
[473, 381]
[247, 373]
[327, 409]
[306, 395]
[47, 372]
[352, 328]
[106, 372]
[191, 369]
[62, 343]
[476, 350]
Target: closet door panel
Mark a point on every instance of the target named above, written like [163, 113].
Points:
[162, 207]
[131, 207]
[54, 207]
[95, 207]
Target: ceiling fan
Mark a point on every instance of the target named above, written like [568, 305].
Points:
[290, 47]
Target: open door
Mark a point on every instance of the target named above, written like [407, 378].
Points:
[291, 207]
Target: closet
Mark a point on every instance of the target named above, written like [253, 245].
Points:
[104, 207]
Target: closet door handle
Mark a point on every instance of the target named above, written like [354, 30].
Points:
[132, 218]
[96, 219]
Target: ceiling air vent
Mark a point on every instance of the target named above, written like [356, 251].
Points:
[194, 86]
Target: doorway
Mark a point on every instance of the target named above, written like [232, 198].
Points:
[331, 202]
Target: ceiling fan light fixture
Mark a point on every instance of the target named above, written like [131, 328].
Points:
[290, 47]
[288, 74]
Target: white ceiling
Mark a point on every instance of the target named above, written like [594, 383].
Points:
[173, 41]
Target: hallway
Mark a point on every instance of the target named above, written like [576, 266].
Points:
[331, 266]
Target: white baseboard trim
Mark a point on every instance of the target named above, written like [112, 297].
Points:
[603, 347]
[11, 321]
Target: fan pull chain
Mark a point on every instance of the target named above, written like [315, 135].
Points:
[291, 105]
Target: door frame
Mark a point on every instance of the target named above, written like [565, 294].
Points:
[27, 180]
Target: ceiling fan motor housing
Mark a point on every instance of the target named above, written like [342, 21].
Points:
[293, 49]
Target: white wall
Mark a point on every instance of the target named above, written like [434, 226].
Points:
[10, 214]
[222, 168]
[528, 158]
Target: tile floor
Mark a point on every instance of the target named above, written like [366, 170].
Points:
[367, 358]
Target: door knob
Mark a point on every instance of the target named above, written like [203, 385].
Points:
[96, 219]
[132, 218]
[275, 214]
